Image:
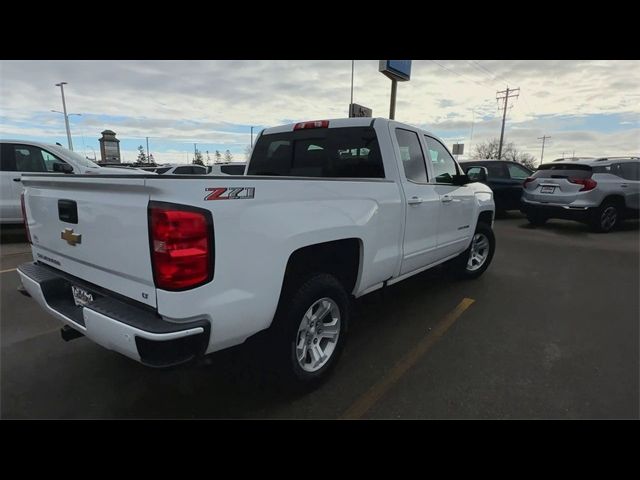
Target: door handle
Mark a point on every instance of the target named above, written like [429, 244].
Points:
[624, 185]
[17, 179]
[415, 201]
[446, 199]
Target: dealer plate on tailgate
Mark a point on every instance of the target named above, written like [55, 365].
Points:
[547, 189]
[80, 296]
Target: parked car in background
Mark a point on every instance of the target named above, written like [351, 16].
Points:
[25, 156]
[235, 168]
[600, 192]
[181, 169]
[505, 178]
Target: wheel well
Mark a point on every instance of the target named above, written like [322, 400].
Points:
[339, 257]
[616, 199]
[485, 217]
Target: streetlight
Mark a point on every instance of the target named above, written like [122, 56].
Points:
[66, 117]
[66, 121]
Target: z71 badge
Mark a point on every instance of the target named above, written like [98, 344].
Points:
[235, 193]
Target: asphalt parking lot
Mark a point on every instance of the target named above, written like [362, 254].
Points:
[550, 331]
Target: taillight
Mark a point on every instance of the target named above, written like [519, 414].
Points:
[24, 217]
[314, 124]
[527, 181]
[587, 183]
[181, 241]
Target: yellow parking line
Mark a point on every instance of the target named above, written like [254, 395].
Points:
[8, 270]
[363, 404]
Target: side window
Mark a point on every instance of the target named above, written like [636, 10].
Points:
[517, 172]
[630, 170]
[28, 159]
[444, 166]
[7, 158]
[411, 156]
[199, 170]
[497, 170]
[49, 160]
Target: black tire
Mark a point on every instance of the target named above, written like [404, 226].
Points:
[283, 334]
[606, 217]
[536, 219]
[460, 263]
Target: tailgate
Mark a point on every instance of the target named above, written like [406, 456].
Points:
[113, 248]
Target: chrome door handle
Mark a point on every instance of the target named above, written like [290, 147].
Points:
[415, 201]
[446, 199]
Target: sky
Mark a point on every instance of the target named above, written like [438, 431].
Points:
[587, 108]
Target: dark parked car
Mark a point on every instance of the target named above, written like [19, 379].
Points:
[505, 178]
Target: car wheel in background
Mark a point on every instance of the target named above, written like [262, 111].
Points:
[605, 217]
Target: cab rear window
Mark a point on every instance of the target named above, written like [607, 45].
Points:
[349, 152]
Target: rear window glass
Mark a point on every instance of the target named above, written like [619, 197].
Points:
[163, 170]
[560, 170]
[350, 152]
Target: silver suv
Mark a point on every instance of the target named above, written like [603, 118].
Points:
[600, 192]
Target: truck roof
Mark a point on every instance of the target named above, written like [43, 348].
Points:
[340, 123]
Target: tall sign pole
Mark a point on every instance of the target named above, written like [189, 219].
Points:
[397, 71]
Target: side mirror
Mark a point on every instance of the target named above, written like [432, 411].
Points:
[478, 174]
[460, 180]
[62, 167]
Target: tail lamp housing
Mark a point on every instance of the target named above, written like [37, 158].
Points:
[587, 183]
[181, 243]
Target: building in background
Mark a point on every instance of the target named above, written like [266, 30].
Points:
[109, 147]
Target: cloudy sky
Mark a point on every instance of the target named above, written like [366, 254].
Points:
[591, 108]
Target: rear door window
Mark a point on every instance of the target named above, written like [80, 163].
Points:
[350, 152]
[28, 158]
[517, 172]
[232, 169]
[183, 171]
[497, 170]
[629, 170]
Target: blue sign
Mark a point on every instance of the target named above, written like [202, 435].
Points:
[396, 69]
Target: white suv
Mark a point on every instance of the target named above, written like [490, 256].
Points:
[600, 192]
[25, 156]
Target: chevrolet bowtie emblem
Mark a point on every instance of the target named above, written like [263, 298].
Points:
[71, 238]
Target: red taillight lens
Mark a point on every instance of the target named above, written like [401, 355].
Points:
[24, 217]
[181, 246]
[527, 181]
[314, 124]
[587, 183]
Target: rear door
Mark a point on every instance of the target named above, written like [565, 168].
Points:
[630, 172]
[456, 212]
[423, 203]
[517, 176]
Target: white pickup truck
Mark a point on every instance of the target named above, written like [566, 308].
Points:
[164, 269]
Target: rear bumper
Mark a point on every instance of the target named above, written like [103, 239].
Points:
[133, 330]
[556, 211]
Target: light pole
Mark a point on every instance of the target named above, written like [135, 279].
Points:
[66, 122]
[252, 137]
[66, 117]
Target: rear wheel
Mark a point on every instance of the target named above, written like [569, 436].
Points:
[310, 329]
[605, 217]
[476, 259]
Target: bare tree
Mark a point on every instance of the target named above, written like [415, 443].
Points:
[197, 158]
[489, 150]
[228, 157]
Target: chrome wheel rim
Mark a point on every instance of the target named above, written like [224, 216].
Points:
[318, 335]
[479, 252]
[608, 218]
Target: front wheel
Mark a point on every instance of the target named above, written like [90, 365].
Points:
[476, 259]
[310, 330]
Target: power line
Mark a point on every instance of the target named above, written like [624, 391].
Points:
[515, 92]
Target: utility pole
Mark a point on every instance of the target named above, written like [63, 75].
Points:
[508, 93]
[353, 63]
[66, 117]
[543, 138]
[392, 107]
[251, 137]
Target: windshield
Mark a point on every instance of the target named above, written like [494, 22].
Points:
[74, 157]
